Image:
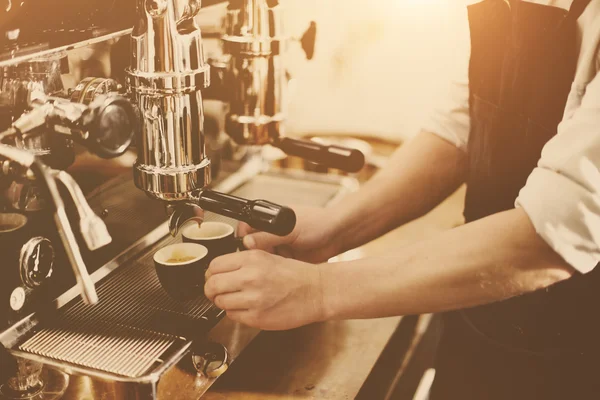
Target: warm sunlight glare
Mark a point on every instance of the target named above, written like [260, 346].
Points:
[382, 62]
[422, 3]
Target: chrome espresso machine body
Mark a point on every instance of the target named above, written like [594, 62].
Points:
[166, 79]
[107, 329]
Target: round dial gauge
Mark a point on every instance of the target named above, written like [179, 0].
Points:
[37, 259]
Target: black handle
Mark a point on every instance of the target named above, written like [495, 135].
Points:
[259, 214]
[346, 159]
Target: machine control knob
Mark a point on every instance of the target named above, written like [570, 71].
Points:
[36, 262]
[210, 359]
[18, 298]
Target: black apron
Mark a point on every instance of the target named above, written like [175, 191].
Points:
[541, 345]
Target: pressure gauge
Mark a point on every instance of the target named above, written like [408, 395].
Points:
[37, 259]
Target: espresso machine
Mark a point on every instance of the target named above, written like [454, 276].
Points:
[83, 314]
[252, 77]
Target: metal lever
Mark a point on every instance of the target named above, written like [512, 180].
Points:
[343, 158]
[93, 229]
[259, 214]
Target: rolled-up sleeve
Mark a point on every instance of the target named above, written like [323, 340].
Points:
[449, 118]
[557, 189]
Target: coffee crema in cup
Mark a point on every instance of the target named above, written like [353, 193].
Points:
[179, 260]
[217, 237]
[181, 270]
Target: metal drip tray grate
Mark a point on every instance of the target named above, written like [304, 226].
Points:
[115, 349]
[136, 327]
[128, 331]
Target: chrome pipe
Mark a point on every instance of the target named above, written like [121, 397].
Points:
[255, 42]
[166, 76]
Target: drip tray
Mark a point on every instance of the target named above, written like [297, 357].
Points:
[136, 329]
[128, 331]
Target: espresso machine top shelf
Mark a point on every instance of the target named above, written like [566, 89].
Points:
[29, 31]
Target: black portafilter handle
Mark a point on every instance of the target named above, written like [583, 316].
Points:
[342, 158]
[259, 214]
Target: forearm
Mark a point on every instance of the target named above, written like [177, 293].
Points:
[483, 262]
[418, 177]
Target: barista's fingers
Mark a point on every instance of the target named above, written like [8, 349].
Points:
[222, 284]
[235, 261]
[238, 301]
[266, 241]
[244, 317]
[226, 263]
[244, 229]
[284, 251]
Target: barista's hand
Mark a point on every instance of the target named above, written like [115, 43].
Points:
[313, 240]
[265, 291]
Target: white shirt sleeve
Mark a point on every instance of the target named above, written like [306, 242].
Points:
[450, 118]
[559, 189]
[560, 200]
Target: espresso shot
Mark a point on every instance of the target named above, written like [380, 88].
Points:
[181, 268]
[218, 237]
